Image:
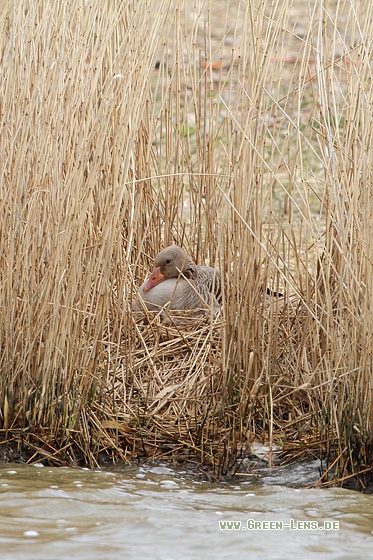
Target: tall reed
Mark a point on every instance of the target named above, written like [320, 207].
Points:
[241, 131]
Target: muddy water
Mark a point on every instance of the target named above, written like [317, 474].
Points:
[156, 512]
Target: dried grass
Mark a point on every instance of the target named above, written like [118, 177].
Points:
[237, 130]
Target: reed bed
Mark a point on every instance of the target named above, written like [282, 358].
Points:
[239, 130]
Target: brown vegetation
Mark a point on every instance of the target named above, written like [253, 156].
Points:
[229, 128]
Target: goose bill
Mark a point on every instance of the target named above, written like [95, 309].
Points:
[156, 278]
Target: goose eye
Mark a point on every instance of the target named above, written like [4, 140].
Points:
[168, 261]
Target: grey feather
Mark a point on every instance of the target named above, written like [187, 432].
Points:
[180, 283]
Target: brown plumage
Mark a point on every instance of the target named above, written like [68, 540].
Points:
[176, 281]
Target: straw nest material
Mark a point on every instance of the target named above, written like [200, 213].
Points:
[174, 394]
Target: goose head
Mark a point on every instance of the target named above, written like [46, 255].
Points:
[170, 263]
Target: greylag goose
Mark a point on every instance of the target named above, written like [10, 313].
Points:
[178, 283]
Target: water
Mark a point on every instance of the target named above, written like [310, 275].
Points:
[157, 512]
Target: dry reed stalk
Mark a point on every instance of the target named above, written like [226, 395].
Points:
[235, 130]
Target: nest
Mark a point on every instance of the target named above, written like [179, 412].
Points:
[168, 391]
[174, 394]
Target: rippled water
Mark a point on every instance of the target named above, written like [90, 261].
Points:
[156, 512]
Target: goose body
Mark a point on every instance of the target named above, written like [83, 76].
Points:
[178, 283]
